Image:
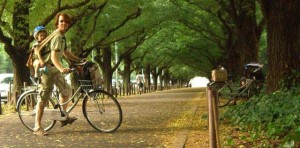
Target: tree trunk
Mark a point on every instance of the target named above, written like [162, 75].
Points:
[166, 78]
[248, 34]
[126, 74]
[232, 61]
[243, 37]
[147, 76]
[107, 68]
[18, 53]
[154, 77]
[283, 37]
[230, 58]
[21, 75]
[160, 82]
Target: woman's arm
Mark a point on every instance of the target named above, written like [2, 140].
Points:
[68, 54]
[56, 62]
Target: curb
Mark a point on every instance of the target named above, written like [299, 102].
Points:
[182, 135]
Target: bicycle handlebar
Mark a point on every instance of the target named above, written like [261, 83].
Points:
[70, 70]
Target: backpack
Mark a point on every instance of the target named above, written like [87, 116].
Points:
[91, 71]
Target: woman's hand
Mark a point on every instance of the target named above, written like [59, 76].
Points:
[65, 70]
[82, 60]
[42, 64]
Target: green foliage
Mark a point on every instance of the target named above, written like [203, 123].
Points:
[182, 71]
[180, 33]
[275, 116]
[291, 80]
[5, 61]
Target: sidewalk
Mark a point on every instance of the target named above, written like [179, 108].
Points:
[172, 118]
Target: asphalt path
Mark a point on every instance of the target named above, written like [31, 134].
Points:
[158, 119]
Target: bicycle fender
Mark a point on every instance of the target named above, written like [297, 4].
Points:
[24, 93]
[94, 89]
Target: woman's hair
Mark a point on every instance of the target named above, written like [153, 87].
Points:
[66, 17]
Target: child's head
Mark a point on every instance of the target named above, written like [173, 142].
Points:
[40, 33]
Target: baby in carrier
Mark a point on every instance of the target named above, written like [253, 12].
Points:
[39, 34]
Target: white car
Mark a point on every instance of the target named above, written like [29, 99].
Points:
[4, 84]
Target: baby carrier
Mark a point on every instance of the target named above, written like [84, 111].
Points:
[91, 72]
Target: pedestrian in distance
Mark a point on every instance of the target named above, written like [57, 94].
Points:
[140, 82]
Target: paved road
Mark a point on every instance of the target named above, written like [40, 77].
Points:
[158, 119]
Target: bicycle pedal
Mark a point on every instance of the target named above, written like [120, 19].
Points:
[56, 106]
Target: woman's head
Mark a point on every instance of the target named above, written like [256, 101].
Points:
[62, 22]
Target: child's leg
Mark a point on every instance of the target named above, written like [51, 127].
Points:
[36, 68]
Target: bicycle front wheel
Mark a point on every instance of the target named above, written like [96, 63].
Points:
[26, 108]
[102, 111]
[225, 96]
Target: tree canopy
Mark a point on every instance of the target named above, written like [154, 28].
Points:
[182, 38]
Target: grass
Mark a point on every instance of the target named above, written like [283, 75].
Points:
[7, 109]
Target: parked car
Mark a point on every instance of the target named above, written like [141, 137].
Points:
[5, 80]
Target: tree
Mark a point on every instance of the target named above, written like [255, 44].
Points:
[16, 39]
[283, 42]
[104, 41]
[231, 25]
[127, 56]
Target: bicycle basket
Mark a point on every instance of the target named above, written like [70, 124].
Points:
[89, 84]
[219, 75]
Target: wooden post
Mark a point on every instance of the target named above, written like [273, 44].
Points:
[213, 120]
[116, 90]
[9, 92]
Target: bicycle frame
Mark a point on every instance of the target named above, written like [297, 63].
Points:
[245, 88]
[100, 108]
[75, 97]
[238, 92]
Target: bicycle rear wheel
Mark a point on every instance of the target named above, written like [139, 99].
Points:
[27, 110]
[225, 96]
[102, 111]
[253, 90]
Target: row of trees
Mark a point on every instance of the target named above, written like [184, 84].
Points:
[175, 39]
[96, 26]
[236, 28]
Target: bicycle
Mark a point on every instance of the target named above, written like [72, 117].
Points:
[250, 84]
[230, 93]
[101, 109]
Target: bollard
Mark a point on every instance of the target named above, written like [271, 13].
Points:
[0, 105]
[213, 118]
[24, 86]
[9, 92]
